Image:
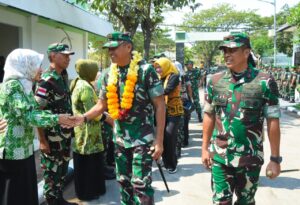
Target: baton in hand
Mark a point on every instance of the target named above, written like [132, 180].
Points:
[158, 163]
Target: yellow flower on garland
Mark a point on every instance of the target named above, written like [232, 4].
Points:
[128, 95]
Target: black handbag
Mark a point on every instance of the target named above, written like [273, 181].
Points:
[188, 106]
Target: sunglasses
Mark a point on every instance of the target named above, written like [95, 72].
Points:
[114, 48]
[230, 50]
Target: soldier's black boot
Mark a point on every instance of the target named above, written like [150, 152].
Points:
[200, 118]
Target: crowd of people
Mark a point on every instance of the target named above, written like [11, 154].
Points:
[148, 107]
[288, 81]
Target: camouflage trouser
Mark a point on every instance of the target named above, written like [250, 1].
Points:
[196, 100]
[55, 168]
[286, 92]
[107, 135]
[241, 180]
[292, 93]
[180, 137]
[133, 168]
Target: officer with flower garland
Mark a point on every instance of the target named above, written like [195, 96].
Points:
[132, 91]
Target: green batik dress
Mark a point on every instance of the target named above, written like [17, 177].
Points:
[21, 112]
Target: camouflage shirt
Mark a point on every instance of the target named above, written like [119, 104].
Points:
[195, 76]
[137, 128]
[240, 108]
[88, 139]
[21, 112]
[52, 93]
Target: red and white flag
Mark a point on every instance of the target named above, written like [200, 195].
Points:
[42, 91]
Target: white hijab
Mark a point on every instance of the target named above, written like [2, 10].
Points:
[22, 64]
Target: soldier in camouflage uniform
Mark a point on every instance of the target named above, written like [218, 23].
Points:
[133, 134]
[195, 77]
[52, 93]
[292, 85]
[236, 103]
[297, 94]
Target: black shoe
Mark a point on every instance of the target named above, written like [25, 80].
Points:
[200, 119]
[292, 101]
[172, 171]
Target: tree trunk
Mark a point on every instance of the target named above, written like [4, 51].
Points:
[147, 41]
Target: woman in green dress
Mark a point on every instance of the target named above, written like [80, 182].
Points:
[18, 180]
[88, 146]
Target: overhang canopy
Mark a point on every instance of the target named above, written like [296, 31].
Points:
[61, 11]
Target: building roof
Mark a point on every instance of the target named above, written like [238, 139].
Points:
[286, 28]
[63, 12]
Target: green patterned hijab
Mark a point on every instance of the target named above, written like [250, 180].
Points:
[86, 69]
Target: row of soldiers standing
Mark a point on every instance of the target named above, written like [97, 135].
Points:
[288, 80]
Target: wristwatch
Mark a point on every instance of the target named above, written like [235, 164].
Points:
[85, 119]
[278, 159]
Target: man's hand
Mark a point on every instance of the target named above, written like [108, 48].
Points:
[157, 150]
[65, 121]
[109, 120]
[44, 147]
[3, 125]
[77, 120]
[206, 158]
[273, 170]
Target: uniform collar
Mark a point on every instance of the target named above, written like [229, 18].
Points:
[247, 77]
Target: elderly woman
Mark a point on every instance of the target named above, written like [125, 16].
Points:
[18, 180]
[87, 147]
[171, 81]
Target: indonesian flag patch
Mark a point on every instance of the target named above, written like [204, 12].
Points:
[41, 91]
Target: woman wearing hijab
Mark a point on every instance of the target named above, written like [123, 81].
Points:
[88, 146]
[171, 82]
[18, 180]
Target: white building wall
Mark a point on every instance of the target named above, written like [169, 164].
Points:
[38, 36]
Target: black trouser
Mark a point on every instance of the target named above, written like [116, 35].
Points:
[187, 117]
[170, 141]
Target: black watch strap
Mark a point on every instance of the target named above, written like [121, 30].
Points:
[85, 119]
[278, 159]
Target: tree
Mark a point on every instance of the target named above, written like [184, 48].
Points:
[223, 17]
[132, 13]
[294, 17]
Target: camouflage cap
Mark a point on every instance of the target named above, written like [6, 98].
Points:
[235, 40]
[60, 48]
[116, 38]
[189, 62]
[159, 55]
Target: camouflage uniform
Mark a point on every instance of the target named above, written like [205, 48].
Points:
[52, 93]
[285, 85]
[237, 142]
[134, 135]
[195, 76]
[292, 86]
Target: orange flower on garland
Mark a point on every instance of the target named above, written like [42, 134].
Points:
[128, 95]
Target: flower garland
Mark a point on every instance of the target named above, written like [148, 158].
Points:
[127, 98]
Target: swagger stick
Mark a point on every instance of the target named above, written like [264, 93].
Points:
[158, 163]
